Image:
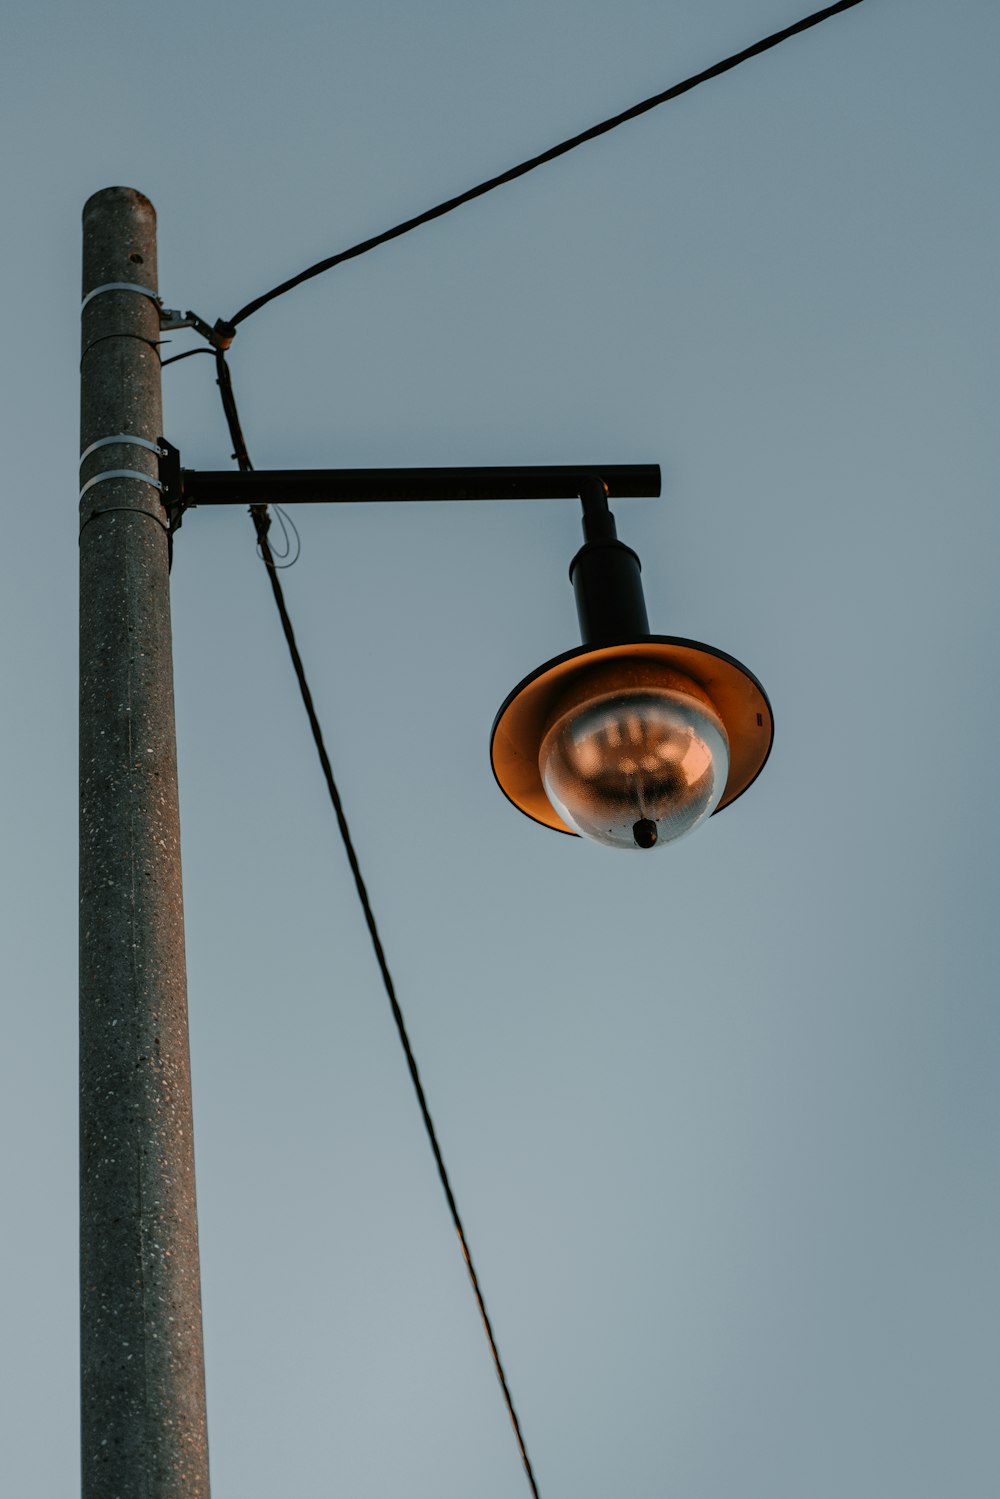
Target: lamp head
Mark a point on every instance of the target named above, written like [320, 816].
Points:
[632, 744]
[633, 739]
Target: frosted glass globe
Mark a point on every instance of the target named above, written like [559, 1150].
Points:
[635, 766]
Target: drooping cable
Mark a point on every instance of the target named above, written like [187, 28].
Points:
[764, 45]
[292, 548]
[176, 358]
[262, 523]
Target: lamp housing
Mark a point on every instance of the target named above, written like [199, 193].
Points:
[632, 739]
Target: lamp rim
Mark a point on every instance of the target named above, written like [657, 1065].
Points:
[736, 694]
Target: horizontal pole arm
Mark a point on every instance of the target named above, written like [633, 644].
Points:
[312, 486]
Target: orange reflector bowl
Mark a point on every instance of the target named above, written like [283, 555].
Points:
[738, 698]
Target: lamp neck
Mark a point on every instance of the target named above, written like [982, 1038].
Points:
[606, 575]
[598, 522]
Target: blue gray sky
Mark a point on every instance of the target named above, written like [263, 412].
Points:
[722, 1121]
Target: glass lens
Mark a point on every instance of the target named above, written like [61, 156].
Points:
[635, 768]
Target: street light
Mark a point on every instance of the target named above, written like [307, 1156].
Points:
[632, 739]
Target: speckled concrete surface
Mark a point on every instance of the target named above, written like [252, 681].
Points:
[143, 1385]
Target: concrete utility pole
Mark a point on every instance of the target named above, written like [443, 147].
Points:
[143, 1378]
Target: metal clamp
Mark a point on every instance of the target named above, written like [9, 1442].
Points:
[220, 337]
[172, 485]
[121, 473]
[144, 291]
[127, 439]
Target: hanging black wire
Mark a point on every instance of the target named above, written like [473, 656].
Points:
[292, 548]
[262, 523]
[176, 358]
[550, 155]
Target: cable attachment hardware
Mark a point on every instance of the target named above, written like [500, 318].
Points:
[143, 291]
[220, 337]
[126, 439]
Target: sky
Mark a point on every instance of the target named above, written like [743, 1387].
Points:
[722, 1121]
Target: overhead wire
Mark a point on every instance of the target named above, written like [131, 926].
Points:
[288, 557]
[176, 358]
[512, 173]
[262, 523]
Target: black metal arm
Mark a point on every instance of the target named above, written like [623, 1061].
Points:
[184, 488]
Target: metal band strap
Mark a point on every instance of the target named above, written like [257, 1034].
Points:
[144, 291]
[127, 510]
[126, 438]
[120, 473]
